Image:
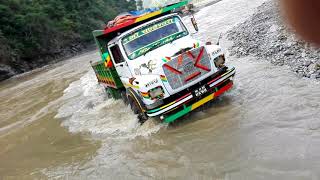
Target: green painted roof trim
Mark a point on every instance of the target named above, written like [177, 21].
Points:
[178, 5]
[97, 33]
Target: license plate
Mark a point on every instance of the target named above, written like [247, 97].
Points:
[200, 91]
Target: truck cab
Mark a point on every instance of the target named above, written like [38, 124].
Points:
[164, 71]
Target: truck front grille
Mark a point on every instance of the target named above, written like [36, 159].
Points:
[187, 67]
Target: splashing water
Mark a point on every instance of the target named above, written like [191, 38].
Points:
[87, 109]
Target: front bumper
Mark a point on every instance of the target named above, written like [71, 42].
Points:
[216, 85]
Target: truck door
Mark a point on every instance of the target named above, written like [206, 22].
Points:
[119, 62]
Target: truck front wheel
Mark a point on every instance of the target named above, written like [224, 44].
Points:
[136, 107]
[124, 97]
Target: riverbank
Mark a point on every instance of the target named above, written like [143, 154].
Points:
[36, 33]
[266, 36]
[17, 66]
[59, 124]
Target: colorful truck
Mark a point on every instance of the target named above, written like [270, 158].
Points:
[151, 61]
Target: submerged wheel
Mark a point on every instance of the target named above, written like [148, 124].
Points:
[133, 105]
[136, 106]
[124, 97]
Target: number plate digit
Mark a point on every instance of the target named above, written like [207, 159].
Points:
[202, 90]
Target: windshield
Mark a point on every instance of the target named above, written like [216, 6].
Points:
[153, 36]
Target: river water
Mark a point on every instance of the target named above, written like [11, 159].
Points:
[57, 123]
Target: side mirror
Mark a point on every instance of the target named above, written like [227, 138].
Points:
[195, 24]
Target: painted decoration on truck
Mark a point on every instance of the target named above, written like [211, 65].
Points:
[158, 43]
[107, 60]
[145, 95]
[196, 45]
[153, 36]
[147, 30]
[166, 59]
[187, 67]
[163, 78]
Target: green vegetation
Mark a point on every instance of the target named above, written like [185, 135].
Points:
[39, 29]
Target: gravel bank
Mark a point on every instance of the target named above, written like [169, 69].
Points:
[265, 36]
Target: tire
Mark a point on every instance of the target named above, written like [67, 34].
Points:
[124, 97]
[136, 107]
[133, 105]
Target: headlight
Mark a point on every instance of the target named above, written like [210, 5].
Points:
[156, 93]
[219, 61]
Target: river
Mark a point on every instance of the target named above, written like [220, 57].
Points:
[57, 123]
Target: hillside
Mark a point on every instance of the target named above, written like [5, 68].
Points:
[34, 33]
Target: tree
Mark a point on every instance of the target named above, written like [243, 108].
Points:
[34, 29]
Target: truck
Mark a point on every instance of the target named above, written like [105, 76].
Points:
[152, 62]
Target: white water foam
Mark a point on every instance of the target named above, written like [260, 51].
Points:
[86, 108]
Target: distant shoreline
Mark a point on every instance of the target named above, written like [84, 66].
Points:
[50, 62]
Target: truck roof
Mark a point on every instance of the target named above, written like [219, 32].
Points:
[112, 32]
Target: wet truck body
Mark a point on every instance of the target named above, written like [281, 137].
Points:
[152, 62]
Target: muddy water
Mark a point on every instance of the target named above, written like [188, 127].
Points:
[57, 123]
[30, 137]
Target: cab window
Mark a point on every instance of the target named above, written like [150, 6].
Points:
[116, 54]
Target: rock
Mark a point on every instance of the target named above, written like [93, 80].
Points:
[273, 28]
[307, 63]
[300, 74]
[297, 56]
[288, 53]
[266, 37]
[6, 72]
[313, 67]
[313, 76]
